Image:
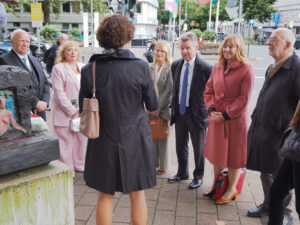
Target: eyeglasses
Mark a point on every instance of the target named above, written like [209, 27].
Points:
[274, 39]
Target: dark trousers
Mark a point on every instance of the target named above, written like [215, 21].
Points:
[184, 126]
[287, 178]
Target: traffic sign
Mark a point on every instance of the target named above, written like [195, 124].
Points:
[36, 14]
[231, 3]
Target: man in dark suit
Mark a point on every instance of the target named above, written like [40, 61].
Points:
[188, 110]
[19, 56]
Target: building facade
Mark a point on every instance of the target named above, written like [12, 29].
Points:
[69, 16]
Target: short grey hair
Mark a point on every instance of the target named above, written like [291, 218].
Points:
[16, 32]
[287, 34]
[188, 36]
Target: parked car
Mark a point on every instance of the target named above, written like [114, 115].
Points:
[297, 42]
[44, 45]
[4, 47]
[141, 40]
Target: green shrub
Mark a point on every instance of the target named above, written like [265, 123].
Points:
[49, 31]
[75, 32]
[209, 35]
[197, 32]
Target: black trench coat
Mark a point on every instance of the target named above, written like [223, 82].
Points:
[122, 158]
[274, 110]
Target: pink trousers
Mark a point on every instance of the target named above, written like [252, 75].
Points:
[71, 146]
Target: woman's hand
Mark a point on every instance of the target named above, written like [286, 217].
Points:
[76, 114]
[216, 116]
[155, 113]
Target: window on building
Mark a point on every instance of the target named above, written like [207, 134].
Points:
[76, 7]
[66, 7]
[75, 25]
[16, 24]
[26, 7]
[65, 26]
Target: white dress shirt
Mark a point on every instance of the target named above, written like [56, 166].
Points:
[190, 77]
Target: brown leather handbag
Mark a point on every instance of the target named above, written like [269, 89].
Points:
[90, 118]
[159, 127]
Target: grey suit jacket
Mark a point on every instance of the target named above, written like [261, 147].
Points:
[165, 87]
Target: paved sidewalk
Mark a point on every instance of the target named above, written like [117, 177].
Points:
[175, 204]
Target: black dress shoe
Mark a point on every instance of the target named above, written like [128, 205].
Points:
[177, 178]
[195, 184]
[259, 211]
[287, 220]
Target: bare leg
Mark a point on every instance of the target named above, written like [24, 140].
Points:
[233, 177]
[138, 208]
[104, 209]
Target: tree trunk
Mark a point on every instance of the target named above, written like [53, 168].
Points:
[46, 11]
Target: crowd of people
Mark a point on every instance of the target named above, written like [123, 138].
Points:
[207, 104]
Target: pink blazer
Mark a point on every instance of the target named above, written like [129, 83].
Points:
[65, 87]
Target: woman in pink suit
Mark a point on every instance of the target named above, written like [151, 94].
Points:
[226, 97]
[64, 104]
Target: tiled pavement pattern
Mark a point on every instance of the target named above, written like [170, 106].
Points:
[175, 204]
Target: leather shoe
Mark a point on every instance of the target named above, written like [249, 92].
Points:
[195, 184]
[259, 211]
[177, 178]
[287, 220]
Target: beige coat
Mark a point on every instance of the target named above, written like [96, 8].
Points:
[164, 87]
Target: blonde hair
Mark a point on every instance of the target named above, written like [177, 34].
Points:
[237, 41]
[60, 52]
[166, 48]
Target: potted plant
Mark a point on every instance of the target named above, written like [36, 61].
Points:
[49, 31]
[208, 48]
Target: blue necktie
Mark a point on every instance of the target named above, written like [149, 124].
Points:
[24, 59]
[182, 104]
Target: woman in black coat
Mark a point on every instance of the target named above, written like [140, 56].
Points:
[122, 158]
[288, 176]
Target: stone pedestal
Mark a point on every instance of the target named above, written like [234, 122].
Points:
[42, 195]
[28, 152]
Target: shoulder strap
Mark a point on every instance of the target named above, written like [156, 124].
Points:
[94, 79]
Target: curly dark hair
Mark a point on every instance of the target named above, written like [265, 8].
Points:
[115, 31]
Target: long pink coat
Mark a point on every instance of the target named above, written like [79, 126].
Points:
[229, 90]
[65, 88]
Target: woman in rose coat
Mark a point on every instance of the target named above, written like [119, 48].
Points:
[226, 97]
[64, 104]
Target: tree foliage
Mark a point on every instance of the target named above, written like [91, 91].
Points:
[261, 10]
[195, 12]
[162, 14]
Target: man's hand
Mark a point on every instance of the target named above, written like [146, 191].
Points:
[41, 106]
[216, 116]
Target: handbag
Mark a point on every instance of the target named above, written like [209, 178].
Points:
[221, 183]
[149, 56]
[38, 123]
[74, 124]
[290, 145]
[159, 127]
[90, 118]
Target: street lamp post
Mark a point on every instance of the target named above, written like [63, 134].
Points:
[185, 15]
[240, 17]
[92, 16]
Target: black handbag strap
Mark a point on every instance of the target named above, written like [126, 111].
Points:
[94, 79]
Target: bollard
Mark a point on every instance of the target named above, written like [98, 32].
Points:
[248, 49]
